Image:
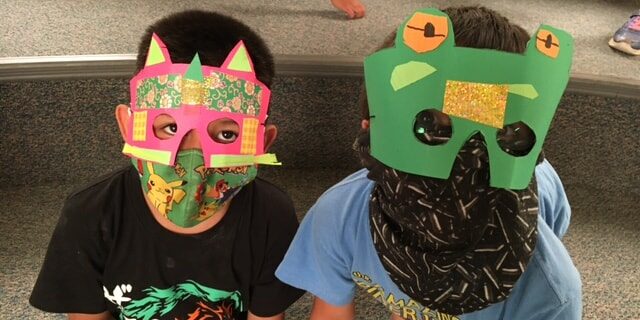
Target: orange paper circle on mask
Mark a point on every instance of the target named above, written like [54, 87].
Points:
[547, 43]
[425, 32]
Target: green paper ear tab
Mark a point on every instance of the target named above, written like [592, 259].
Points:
[239, 59]
[195, 70]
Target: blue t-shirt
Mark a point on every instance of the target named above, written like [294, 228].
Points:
[333, 252]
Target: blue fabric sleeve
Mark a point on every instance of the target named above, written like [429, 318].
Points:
[319, 257]
[571, 310]
[554, 205]
[550, 288]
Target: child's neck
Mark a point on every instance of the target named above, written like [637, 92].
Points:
[201, 227]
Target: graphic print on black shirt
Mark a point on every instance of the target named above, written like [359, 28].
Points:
[108, 253]
[158, 303]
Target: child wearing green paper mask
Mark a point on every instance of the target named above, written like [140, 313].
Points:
[464, 246]
[142, 242]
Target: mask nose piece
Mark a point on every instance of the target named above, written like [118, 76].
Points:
[191, 141]
[473, 153]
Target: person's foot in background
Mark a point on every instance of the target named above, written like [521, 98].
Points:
[353, 8]
[627, 38]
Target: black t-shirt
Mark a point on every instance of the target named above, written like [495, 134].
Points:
[108, 253]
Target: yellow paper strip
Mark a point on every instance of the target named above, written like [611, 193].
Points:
[229, 160]
[162, 157]
[140, 126]
[249, 136]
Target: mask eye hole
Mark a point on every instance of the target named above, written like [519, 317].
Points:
[223, 130]
[164, 127]
[425, 32]
[548, 43]
[516, 139]
[432, 127]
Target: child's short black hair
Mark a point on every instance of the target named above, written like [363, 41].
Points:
[474, 27]
[212, 36]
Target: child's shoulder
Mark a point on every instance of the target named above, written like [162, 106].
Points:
[267, 192]
[356, 184]
[102, 189]
[267, 187]
[547, 177]
[92, 206]
[551, 284]
[550, 188]
[345, 203]
[272, 201]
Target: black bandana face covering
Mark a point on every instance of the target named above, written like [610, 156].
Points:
[455, 245]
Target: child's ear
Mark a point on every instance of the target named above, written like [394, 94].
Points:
[122, 116]
[364, 124]
[270, 134]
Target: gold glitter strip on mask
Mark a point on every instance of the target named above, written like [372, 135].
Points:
[193, 92]
[478, 102]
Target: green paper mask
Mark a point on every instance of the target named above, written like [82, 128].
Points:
[481, 90]
[189, 193]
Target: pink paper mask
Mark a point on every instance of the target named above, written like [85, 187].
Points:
[195, 96]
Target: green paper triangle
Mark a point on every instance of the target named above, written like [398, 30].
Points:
[155, 55]
[408, 73]
[195, 70]
[240, 61]
[525, 90]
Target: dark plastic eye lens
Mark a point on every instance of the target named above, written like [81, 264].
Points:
[432, 127]
[516, 139]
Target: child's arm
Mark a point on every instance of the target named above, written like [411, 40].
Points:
[270, 297]
[69, 280]
[252, 316]
[320, 258]
[554, 206]
[322, 310]
[83, 316]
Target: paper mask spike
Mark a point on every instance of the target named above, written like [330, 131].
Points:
[195, 70]
[238, 59]
[158, 52]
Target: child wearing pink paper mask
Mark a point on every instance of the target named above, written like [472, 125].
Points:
[187, 230]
